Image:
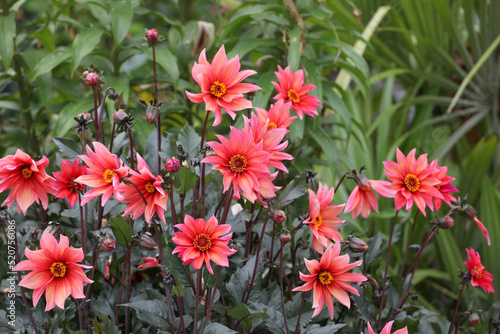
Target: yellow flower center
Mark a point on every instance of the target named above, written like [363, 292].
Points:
[26, 172]
[411, 182]
[293, 96]
[238, 163]
[325, 278]
[218, 89]
[271, 125]
[318, 221]
[108, 175]
[58, 269]
[74, 186]
[476, 272]
[150, 188]
[202, 242]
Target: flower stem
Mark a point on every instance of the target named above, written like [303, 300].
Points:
[386, 269]
[172, 203]
[250, 287]
[341, 180]
[131, 143]
[83, 224]
[96, 115]
[204, 130]
[464, 283]
[198, 297]
[229, 199]
[304, 296]
[408, 245]
[207, 315]
[158, 121]
[281, 289]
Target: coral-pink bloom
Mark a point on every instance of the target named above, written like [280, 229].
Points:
[445, 188]
[28, 180]
[150, 188]
[291, 88]
[201, 241]
[362, 198]
[267, 190]
[55, 271]
[323, 218]
[278, 115]
[149, 262]
[221, 85]
[329, 277]
[413, 180]
[103, 174]
[387, 329]
[65, 180]
[241, 162]
[479, 276]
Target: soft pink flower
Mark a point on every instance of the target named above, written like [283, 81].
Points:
[387, 329]
[469, 212]
[149, 262]
[241, 162]
[329, 277]
[103, 174]
[202, 241]
[221, 85]
[271, 141]
[413, 180]
[323, 218]
[445, 188]
[28, 180]
[55, 271]
[277, 117]
[151, 190]
[362, 198]
[267, 190]
[479, 276]
[291, 88]
[65, 184]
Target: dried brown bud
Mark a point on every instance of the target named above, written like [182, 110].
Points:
[147, 242]
[285, 237]
[152, 114]
[119, 117]
[446, 222]
[279, 216]
[234, 244]
[52, 228]
[474, 319]
[357, 245]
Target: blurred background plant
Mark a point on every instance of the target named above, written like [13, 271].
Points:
[389, 73]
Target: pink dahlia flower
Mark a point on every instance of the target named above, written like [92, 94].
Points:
[323, 218]
[65, 180]
[267, 191]
[28, 180]
[445, 188]
[479, 276]
[413, 180]
[103, 174]
[362, 198]
[203, 241]
[55, 271]
[221, 85]
[291, 88]
[329, 277]
[387, 329]
[150, 188]
[241, 162]
[277, 117]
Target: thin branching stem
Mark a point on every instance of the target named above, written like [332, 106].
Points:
[408, 244]
[464, 283]
[282, 273]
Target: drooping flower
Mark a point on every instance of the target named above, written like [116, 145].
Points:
[65, 180]
[469, 212]
[479, 276]
[151, 190]
[271, 141]
[329, 277]
[413, 180]
[149, 262]
[291, 88]
[203, 241]
[278, 115]
[103, 174]
[28, 180]
[221, 85]
[267, 190]
[323, 218]
[55, 271]
[362, 198]
[241, 162]
[445, 188]
[387, 329]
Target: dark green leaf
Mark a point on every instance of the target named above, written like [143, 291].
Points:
[122, 231]
[65, 119]
[293, 190]
[328, 329]
[68, 147]
[190, 141]
[294, 49]
[188, 180]
[215, 328]
[122, 13]
[50, 61]
[167, 61]
[85, 42]
[7, 35]
[153, 312]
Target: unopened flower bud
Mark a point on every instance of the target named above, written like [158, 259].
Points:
[474, 319]
[468, 212]
[92, 79]
[106, 270]
[285, 237]
[173, 165]
[362, 181]
[234, 244]
[279, 216]
[152, 35]
[152, 114]
[119, 117]
[84, 74]
[108, 244]
[147, 243]
[357, 245]
[446, 222]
